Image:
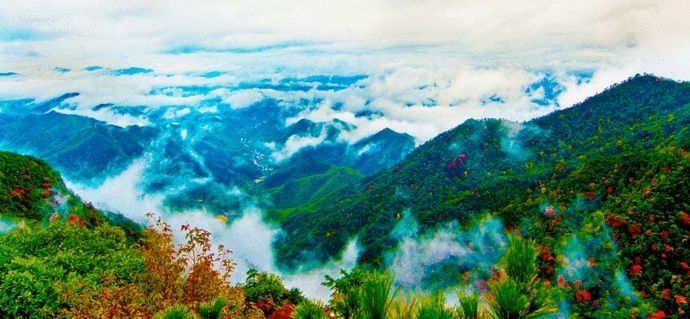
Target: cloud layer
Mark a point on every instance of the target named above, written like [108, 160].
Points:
[430, 65]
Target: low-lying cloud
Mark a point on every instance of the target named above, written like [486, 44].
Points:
[246, 234]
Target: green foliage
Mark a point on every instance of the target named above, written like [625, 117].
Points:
[404, 306]
[310, 310]
[330, 184]
[520, 260]
[507, 300]
[38, 263]
[433, 307]
[22, 191]
[519, 293]
[175, 312]
[376, 296]
[468, 306]
[345, 292]
[267, 290]
[213, 310]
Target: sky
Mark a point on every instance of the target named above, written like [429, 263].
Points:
[465, 59]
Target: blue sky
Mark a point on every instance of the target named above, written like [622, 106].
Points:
[429, 65]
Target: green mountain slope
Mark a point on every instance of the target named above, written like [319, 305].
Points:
[83, 147]
[33, 192]
[579, 164]
[332, 184]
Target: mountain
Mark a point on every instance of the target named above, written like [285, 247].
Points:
[209, 151]
[602, 187]
[33, 192]
[83, 148]
[601, 173]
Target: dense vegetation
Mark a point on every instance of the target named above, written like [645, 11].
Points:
[65, 269]
[594, 200]
[33, 192]
[609, 173]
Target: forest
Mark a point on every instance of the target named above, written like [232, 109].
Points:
[593, 200]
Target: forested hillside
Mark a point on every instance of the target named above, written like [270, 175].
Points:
[613, 166]
[582, 213]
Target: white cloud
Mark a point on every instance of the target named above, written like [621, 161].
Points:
[121, 193]
[295, 143]
[459, 52]
[248, 237]
[239, 98]
[537, 33]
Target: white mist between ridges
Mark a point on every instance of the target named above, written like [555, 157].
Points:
[248, 237]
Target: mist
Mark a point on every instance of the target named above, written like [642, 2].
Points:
[435, 260]
[247, 236]
[6, 226]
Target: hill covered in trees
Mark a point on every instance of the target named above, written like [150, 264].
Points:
[583, 212]
[608, 175]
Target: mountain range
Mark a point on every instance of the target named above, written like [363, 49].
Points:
[602, 186]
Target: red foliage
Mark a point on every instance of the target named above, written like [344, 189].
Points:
[546, 256]
[583, 296]
[266, 305]
[592, 262]
[685, 218]
[549, 270]
[664, 235]
[561, 281]
[634, 230]
[577, 284]
[635, 270]
[17, 191]
[46, 185]
[590, 195]
[681, 299]
[75, 220]
[684, 265]
[657, 315]
[666, 293]
[614, 221]
[647, 192]
[284, 312]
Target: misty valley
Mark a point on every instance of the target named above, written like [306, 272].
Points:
[275, 205]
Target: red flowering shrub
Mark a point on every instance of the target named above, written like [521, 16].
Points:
[614, 221]
[635, 270]
[583, 296]
[284, 312]
[634, 230]
[685, 218]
